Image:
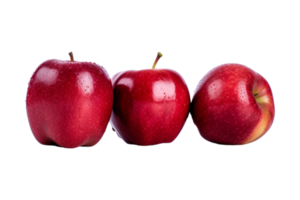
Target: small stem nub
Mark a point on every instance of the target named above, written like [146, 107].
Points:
[71, 55]
[157, 58]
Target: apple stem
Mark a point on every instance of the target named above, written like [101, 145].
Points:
[157, 58]
[71, 56]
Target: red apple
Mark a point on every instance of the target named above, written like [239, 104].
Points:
[233, 105]
[69, 103]
[150, 106]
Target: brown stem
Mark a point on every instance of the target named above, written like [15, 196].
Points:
[157, 58]
[71, 56]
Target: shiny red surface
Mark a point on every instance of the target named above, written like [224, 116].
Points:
[150, 106]
[224, 107]
[69, 103]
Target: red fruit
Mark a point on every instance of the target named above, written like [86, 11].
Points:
[69, 103]
[233, 105]
[150, 106]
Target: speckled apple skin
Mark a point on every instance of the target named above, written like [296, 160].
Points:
[233, 105]
[69, 103]
[150, 106]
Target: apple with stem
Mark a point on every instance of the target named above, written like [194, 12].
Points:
[233, 105]
[69, 103]
[150, 106]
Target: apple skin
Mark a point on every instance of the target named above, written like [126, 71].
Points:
[150, 106]
[233, 105]
[69, 103]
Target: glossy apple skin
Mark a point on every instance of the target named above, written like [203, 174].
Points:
[233, 105]
[69, 103]
[150, 106]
